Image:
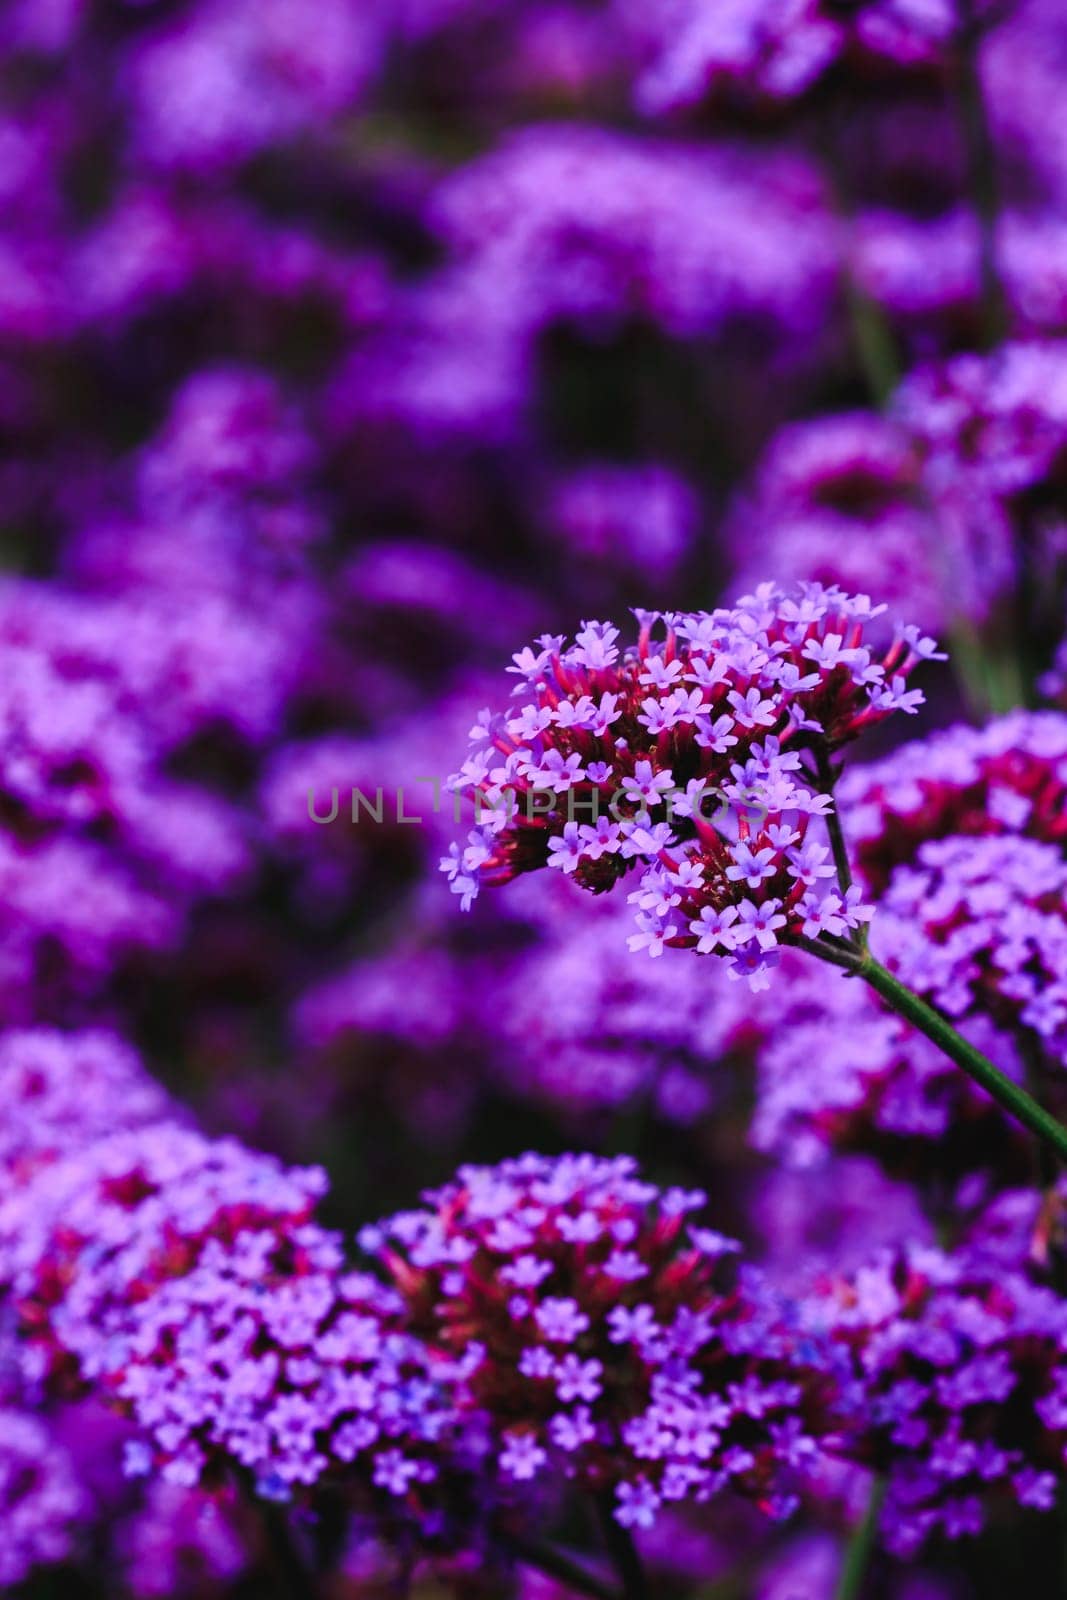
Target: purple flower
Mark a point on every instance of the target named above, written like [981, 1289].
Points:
[577, 1379]
[560, 1320]
[749, 658]
[199, 1292]
[644, 517]
[944, 1350]
[774, 51]
[714, 929]
[570, 1431]
[637, 1504]
[522, 1456]
[40, 1499]
[666, 1364]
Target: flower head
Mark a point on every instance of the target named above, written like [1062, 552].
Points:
[959, 1386]
[188, 1278]
[706, 786]
[611, 1342]
[1008, 777]
[63, 1091]
[758, 53]
[40, 1498]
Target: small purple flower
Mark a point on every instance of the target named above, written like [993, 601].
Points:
[577, 1379]
[560, 1320]
[522, 1457]
[636, 1504]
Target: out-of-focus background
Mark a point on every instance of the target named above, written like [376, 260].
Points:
[346, 346]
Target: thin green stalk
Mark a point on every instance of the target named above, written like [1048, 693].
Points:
[988, 673]
[827, 776]
[873, 340]
[854, 956]
[872, 336]
[907, 1004]
[824, 948]
[1031, 1052]
[1046, 1245]
[861, 1546]
[1011, 1096]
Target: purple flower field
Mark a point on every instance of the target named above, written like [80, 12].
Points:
[533, 799]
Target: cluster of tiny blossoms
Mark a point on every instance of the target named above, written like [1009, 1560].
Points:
[190, 1280]
[684, 756]
[960, 1386]
[91, 1236]
[40, 1499]
[960, 838]
[768, 52]
[1008, 777]
[62, 1091]
[608, 1339]
[978, 925]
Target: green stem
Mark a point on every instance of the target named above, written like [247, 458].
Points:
[872, 338]
[825, 948]
[854, 956]
[1046, 1239]
[827, 776]
[861, 1546]
[988, 673]
[1030, 1051]
[1011, 1097]
[623, 1553]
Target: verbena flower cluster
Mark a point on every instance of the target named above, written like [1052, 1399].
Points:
[64, 1091]
[41, 1501]
[840, 499]
[774, 51]
[960, 837]
[189, 1279]
[979, 926]
[686, 755]
[1008, 777]
[959, 1368]
[603, 1340]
